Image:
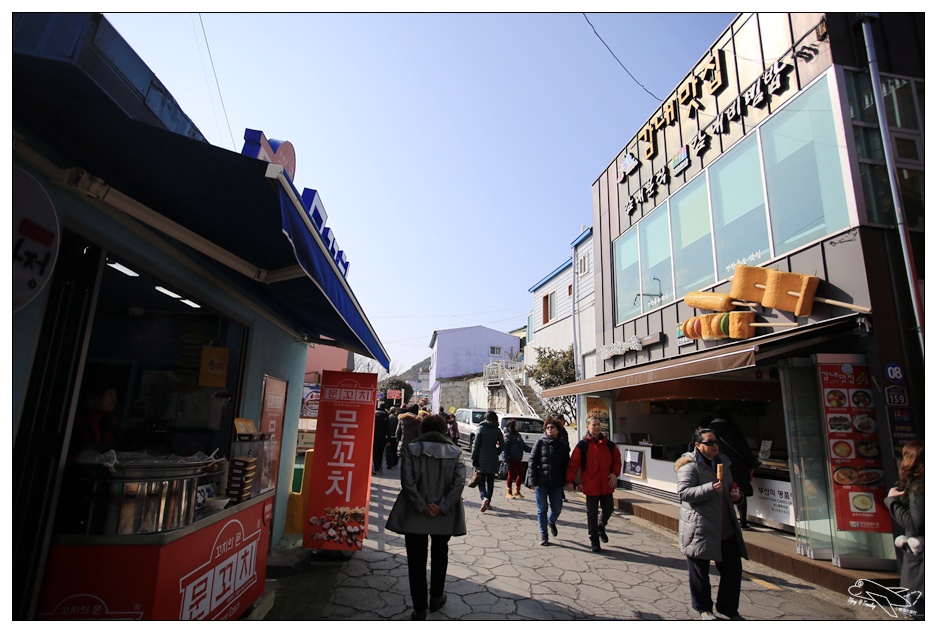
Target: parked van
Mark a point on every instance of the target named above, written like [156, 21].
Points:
[468, 420]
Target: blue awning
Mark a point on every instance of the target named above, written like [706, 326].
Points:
[229, 200]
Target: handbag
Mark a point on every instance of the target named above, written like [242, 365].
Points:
[475, 479]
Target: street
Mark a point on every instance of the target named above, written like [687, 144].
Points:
[500, 572]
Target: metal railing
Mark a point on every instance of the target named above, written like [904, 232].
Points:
[510, 376]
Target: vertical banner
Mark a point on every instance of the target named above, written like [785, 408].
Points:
[336, 509]
[854, 448]
[271, 425]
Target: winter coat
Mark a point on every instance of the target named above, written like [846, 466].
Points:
[431, 471]
[488, 444]
[702, 509]
[393, 423]
[907, 511]
[603, 458]
[408, 429]
[381, 419]
[548, 462]
[514, 446]
[733, 444]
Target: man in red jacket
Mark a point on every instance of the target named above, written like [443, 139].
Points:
[599, 461]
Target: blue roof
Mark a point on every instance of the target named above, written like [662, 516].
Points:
[551, 275]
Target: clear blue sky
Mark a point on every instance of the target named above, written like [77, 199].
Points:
[454, 153]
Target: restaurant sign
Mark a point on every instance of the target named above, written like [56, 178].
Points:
[337, 508]
[851, 430]
[710, 79]
[634, 343]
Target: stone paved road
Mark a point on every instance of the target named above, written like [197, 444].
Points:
[500, 572]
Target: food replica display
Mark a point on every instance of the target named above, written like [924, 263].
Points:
[714, 301]
[737, 325]
[786, 291]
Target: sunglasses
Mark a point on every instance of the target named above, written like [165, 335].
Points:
[708, 443]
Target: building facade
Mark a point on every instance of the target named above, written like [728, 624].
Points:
[766, 159]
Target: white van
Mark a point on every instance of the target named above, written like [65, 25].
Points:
[468, 420]
[531, 429]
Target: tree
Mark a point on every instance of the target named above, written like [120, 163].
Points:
[396, 383]
[554, 368]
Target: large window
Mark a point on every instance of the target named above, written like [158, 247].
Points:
[656, 266]
[738, 209]
[626, 277]
[803, 170]
[692, 237]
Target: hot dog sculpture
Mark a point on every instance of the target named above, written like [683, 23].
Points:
[736, 325]
[713, 301]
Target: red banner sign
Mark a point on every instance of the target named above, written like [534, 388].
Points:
[336, 509]
[854, 448]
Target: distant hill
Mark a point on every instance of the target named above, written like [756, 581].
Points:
[412, 373]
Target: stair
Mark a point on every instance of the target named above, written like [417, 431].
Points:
[533, 400]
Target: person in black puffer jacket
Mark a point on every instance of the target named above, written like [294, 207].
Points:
[546, 474]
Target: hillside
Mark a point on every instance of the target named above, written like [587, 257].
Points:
[412, 373]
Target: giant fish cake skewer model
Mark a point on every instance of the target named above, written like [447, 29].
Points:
[786, 291]
[736, 325]
[713, 301]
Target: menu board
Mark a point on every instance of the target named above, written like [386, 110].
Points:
[858, 487]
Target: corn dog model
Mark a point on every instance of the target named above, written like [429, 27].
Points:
[785, 291]
[721, 469]
[713, 301]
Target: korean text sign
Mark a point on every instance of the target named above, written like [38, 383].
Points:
[854, 448]
[336, 509]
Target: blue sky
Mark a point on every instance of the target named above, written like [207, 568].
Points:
[454, 153]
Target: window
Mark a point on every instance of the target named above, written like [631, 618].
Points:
[656, 272]
[549, 307]
[570, 289]
[692, 237]
[738, 209]
[495, 351]
[800, 147]
[626, 277]
[583, 265]
[529, 336]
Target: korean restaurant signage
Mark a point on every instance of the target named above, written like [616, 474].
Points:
[282, 153]
[772, 500]
[711, 79]
[851, 431]
[216, 572]
[35, 238]
[337, 508]
[634, 343]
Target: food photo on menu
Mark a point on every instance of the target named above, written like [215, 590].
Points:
[861, 399]
[842, 448]
[861, 502]
[836, 398]
[839, 423]
[864, 423]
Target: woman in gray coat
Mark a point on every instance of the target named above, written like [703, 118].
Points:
[708, 527]
[432, 476]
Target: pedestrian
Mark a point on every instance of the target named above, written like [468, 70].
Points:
[708, 529]
[453, 432]
[906, 507]
[429, 506]
[733, 444]
[549, 460]
[381, 418]
[597, 459]
[488, 444]
[408, 428]
[563, 433]
[514, 447]
[393, 422]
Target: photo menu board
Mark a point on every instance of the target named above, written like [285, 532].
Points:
[854, 449]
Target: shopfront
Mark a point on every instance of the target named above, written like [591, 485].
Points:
[767, 159]
[166, 293]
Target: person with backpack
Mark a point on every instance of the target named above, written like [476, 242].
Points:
[514, 447]
[598, 460]
[488, 444]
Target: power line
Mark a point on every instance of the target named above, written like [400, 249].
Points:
[619, 61]
[215, 73]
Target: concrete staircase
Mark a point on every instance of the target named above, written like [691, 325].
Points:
[533, 400]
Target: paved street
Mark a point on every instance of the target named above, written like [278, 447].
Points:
[499, 571]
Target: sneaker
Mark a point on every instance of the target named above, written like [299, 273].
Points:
[707, 616]
[553, 530]
[544, 540]
[435, 604]
[509, 495]
[603, 534]
[418, 615]
[485, 504]
[595, 547]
